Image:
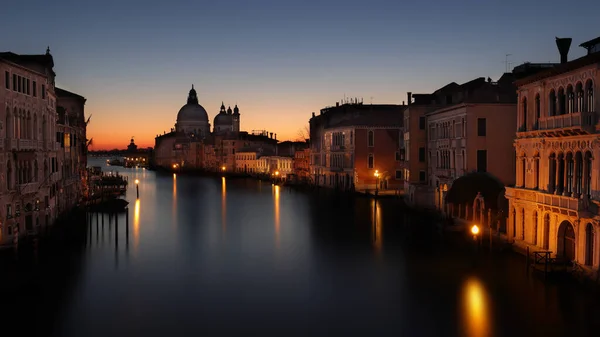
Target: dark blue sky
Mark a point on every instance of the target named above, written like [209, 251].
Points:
[279, 60]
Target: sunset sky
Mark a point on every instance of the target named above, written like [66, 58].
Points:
[279, 60]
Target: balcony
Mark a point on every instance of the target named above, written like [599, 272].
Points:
[338, 148]
[547, 199]
[567, 124]
[459, 143]
[11, 144]
[25, 144]
[443, 142]
[444, 173]
[27, 188]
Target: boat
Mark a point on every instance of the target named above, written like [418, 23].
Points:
[115, 162]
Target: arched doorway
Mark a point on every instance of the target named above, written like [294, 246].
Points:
[546, 231]
[535, 228]
[566, 241]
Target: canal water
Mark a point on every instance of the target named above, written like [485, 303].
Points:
[229, 257]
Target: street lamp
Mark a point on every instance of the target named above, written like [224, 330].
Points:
[223, 168]
[137, 187]
[475, 232]
[376, 182]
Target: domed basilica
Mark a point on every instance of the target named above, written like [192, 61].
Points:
[192, 119]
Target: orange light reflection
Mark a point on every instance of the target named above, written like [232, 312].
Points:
[376, 224]
[476, 316]
[223, 204]
[277, 223]
[136, 224]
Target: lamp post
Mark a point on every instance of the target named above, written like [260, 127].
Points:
[376, 182]
[137, 187]
[475, 233]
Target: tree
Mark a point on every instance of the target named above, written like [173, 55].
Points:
[303, 134]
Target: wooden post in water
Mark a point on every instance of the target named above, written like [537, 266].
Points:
[459, 210]
[116, 230]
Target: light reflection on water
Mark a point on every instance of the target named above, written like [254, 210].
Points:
[476, 308]
[292, 262]
[223, 205]
[276, 213]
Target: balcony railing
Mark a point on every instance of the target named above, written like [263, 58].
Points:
[541, 197]
[458, 143]
[571, 120]
[443, 142]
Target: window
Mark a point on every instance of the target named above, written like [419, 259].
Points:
[43, 91]
[398, 156]
[7, 79]
[34, 89]
[371, 162]
[422, 123]
[399, 174]
[524, 118]
[422, 176]
[422, 154]
[19, 84]
[481, 127]
[371, 138]
[28, 89]
[481, 160]
[14, 82]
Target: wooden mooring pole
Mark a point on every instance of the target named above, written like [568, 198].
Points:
[527, 259]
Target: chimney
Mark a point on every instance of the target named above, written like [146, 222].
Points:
[337, 104]
[403, 103]
[275, 136]
[563, 45]
[409, 96]
[271, 135]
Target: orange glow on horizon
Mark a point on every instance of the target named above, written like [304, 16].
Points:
[112, 124]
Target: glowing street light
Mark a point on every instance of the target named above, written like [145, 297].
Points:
[137, 187]
[276, 173]
[223, 168]
[475, 232]
[377, 181]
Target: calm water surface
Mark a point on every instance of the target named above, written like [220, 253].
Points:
[222, 257]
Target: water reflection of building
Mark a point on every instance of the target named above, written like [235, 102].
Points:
[191, 145]
[554, 204]
[44, 157]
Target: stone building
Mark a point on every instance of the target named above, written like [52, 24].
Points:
[32, 156]
[191, 145]
[349, 143]
[72, 151]
[472, 132]
[554, 204]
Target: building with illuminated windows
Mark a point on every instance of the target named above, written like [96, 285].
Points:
[554, 205]
[350, 142]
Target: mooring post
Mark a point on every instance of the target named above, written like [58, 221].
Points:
[546, 264]
[116, 230]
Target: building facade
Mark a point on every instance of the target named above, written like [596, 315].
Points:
[350, 143]
[554, 204]
[471, 133]
[33, 180]
[302, 165]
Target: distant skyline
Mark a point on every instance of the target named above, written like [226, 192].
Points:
[135, 61]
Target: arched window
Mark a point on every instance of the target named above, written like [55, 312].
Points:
[46, 172]
[538, 110]
[9, 176]
[371, 138]
[562, 102]
[552, 103]
[514, 223]
[15, 124]
[589, 244]
[35, 171]
[589, 94]
[570, 167]
[523, 126]
[44, 129]
[535, 228]
[570, 99]
[7, 126]
[552, 167]
[587, 184]
[579, 98]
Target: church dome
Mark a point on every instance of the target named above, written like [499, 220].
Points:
[223, 119]
[192, 111]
